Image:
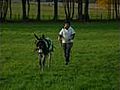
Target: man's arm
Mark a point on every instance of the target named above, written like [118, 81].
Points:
[73, 35]
[59, 37]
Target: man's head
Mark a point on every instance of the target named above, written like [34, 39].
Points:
[67, 25]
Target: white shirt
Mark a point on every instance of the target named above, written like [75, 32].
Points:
[67, 35]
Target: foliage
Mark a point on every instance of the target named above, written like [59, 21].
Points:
[103, 3]
[110, 5]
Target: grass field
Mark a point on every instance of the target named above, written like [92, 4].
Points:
[94, 60]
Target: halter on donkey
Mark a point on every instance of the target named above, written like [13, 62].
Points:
[44, 46]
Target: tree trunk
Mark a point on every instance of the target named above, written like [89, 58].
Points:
[116, 11]
[73, 4]
[24, 9]
[80, 7]
[64, 2]
[10, 9]
[55, 9]
[109, 9]
[28, 8]
[86, 17]
[69, 9]
[113, 14]
[5, 9]
[1, 9]
[70, 4]
[38, 12]
[118, 6]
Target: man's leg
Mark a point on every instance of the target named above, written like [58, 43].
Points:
[65, 50]
[68, 50]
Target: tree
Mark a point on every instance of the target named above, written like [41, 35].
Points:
[10, 8]
[117, 7]
[108, 4]
[24, 9]
[102, 3]
[86, 10]
[109, 8]
[55, 9]
[3, 9]
[80, 7]
[38, 13]
[28, 8]
[4, 6]
[25, 13]
[69, 8]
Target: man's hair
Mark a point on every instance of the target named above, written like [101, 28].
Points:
[67, 22]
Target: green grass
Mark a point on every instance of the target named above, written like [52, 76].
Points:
[94, 60]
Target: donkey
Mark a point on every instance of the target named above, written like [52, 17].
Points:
[44, 47]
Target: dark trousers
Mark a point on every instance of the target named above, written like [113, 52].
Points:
[67, 48]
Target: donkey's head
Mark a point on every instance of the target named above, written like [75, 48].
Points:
[40, 44]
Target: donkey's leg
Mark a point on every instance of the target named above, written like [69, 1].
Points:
[49, 59]
[43, 61]
[40, 61]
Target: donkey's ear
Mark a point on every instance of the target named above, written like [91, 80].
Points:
[36, 36]
[43, 36]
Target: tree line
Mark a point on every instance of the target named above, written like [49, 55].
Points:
[69, 8]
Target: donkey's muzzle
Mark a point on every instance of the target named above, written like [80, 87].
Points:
[40, 51]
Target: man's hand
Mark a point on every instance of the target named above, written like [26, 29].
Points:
[60, 40]
[72, 37]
